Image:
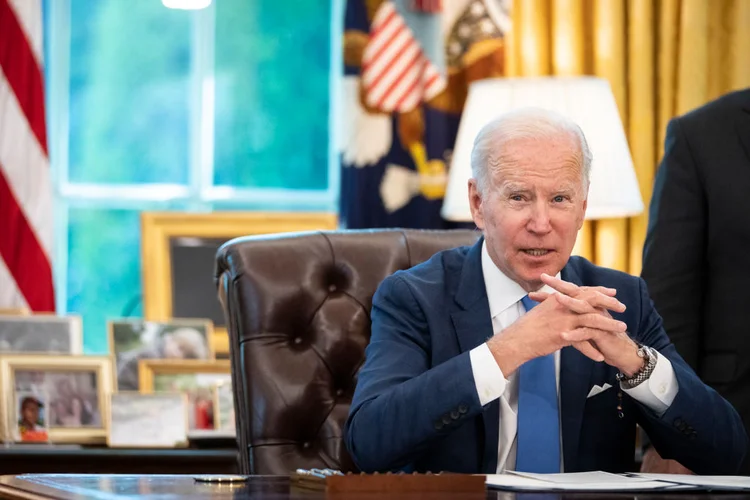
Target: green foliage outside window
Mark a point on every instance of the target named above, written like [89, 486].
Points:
[129, 122]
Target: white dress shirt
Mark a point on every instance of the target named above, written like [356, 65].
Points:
[504, 296]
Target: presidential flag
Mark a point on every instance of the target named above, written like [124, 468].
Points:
[407, 67]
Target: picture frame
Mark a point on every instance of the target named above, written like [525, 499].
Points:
[196, 379]
[15, 311]
[41, 334]
[161, 230]
[132, 339]
[77, 388]
[147, 420]
[224, 412]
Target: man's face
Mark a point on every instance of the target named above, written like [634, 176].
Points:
[532, 208]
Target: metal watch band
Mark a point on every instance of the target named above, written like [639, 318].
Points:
[649, 356]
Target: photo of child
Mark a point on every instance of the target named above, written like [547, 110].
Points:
[31, 424]
[74, 402]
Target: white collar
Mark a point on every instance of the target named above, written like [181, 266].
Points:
[502, 292]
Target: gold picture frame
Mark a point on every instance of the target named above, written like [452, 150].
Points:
[200, 411]
[219, 415]
[15, 311]
[101, 366]
[157, 228]
[148, 369]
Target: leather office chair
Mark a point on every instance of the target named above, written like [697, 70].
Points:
[298, 315]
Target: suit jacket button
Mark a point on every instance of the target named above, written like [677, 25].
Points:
[439, 425]
[463, 409]
[446, 419]
[678, 423]
[455, 415]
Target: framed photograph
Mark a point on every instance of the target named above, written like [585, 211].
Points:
[17, 311]
[30, 422]
[148, 420]
[195, 379]
[41, 333]
[224, 408]
[76, 389]
[131, 340]
[178, 254]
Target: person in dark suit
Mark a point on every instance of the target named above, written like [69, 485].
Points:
[696, 261]
[512, 355]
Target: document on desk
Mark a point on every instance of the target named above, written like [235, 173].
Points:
[710, 483]
[579, 481]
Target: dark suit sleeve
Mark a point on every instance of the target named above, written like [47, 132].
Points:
[401, 404]
[674, 252]
[700, 429]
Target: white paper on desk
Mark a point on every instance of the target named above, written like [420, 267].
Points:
[579, 481]
[582, 477]
[733, 483]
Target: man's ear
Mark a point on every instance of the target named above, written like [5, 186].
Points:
[475, 203]
[585, 205]
[583, 214]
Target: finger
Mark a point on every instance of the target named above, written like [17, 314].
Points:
[582, 335]
[588, 350]
[611, 292]
[599, 322]
[539, 296]
[587, 303]
[561, 286]
[601, 301]
[575, 305]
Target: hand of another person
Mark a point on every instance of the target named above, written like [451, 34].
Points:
[653, 464]
[616, 347]
[543, 330]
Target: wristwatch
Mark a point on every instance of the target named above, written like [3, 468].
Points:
[649, 357]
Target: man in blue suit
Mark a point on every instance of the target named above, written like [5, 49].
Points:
[513, 355]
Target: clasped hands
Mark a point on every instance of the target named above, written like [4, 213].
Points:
[575, 316]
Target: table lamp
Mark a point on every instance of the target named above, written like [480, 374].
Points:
[589, 102]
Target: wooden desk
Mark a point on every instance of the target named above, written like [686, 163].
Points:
[76, 487]
[42, 460]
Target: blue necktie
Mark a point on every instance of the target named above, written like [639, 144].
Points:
[538, 448]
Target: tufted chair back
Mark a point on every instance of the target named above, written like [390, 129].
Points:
[298, 314]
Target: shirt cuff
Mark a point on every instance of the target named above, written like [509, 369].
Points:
[488, 377]
[658, 392]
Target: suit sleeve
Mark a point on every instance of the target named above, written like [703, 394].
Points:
[401, 404]
[674, 251]
[700, 429]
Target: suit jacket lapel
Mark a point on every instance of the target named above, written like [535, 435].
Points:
[575, 380]
[473, 326]
[743, 128]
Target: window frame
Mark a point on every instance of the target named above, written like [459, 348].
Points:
[199, 194]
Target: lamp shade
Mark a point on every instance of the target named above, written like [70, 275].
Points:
[589, 102]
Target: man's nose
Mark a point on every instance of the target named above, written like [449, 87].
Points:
[539, 221]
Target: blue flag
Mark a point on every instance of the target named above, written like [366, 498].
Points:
[407, 67]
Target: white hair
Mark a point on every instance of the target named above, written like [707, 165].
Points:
[488, 153]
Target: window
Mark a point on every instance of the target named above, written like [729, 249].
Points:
[148, 108]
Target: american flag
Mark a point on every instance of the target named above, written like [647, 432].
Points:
[396, 74]
[25, 188]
